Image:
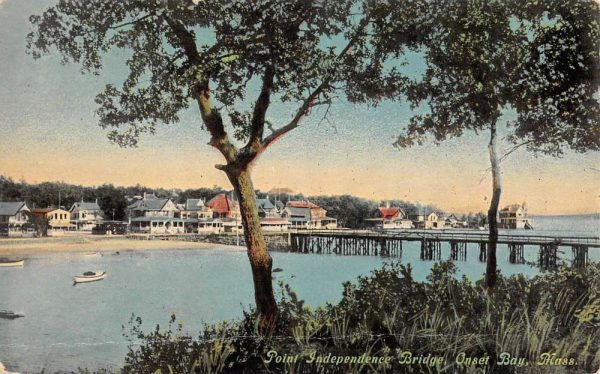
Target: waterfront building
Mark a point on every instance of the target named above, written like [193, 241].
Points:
[194, 209]
[153, 215]
[59, 220]
[306, 215]
[455, 222]
[85, 215]
[224, 207]
[426, 219]
[13, 218]
[152, 206]
[515, 216]
[389, 218]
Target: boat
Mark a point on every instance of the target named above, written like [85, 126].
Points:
[5, 262]
[7, 314]
[93, 254]
[89, 276]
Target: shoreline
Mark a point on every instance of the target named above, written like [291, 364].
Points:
[93, 243]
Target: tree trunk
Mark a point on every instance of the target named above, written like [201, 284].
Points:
[491, 265]
[260, 260]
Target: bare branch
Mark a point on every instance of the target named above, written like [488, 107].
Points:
[310, 101]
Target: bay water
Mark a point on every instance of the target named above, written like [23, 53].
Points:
[66, 327]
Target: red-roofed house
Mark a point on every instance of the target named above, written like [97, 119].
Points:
[223, 207]
[390, 218]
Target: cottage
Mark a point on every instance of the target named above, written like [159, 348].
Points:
[427, 219]
[389, 218]
[266, 209]
[454, 222]
[13, 218]
[223, 207]
[85, 215]
[152, 206]
[194, 209]
[515, 216]
[58, 219]
[306, 215]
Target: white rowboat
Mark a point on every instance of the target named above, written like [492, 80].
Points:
[7, 263]
[93, 254]
[89, 276]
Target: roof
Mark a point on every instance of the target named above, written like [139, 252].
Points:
[512, 208]
[264, 204]
[46, 210]
[87, 206]
[389, 212]
[221, 204]
[302, 204]
[194, 204]
[294, 211]
[10, 209]
[279, 204]
[151, 204]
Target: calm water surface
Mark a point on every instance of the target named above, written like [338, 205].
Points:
[66, 326]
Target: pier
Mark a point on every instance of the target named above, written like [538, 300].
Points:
[389, 244]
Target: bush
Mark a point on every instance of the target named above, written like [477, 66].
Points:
[552, 319]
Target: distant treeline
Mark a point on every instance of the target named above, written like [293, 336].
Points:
[348, 210]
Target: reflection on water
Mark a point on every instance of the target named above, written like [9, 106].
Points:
[68, 326]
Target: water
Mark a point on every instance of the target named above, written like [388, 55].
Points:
[66, 326]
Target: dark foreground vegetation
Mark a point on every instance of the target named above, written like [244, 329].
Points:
[549, 323]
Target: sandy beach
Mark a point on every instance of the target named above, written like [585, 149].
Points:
[93, 243]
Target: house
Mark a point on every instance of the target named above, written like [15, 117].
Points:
[266, 209]
[389, 218]
[85, 215]
[426, 219]
[13, 217]
[152, 206]
[58, 219]
[194, 209]
[306, 215]
[515, 216]
[153, 215]
[454, 222]
[223, 207]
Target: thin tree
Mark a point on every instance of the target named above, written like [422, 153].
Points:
[216, 54]
[484, 59]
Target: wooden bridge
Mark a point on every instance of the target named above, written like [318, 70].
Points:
[372, 243]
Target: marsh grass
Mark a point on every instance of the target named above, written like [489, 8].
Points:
[555, 315]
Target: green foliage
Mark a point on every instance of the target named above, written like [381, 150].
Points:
[387, 313]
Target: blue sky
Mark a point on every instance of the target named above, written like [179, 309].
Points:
[48, 131]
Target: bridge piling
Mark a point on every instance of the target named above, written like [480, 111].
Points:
[458, 251]
[482, 252]
[515, 253]
[548, 256]
[580, 256]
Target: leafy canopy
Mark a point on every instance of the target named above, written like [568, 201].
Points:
[539, 58]
[180, 47]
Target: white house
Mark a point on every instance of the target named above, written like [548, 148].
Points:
[13, 217]
[85, 215]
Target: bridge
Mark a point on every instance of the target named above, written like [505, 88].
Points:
[389, 243]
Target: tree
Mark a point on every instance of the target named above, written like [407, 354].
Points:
[212, 53]
[484, 59]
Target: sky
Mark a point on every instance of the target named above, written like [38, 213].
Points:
[49, 132]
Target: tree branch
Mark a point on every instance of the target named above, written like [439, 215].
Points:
[260, 110]
[311, 99]
[210, 115]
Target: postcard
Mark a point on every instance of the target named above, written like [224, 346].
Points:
[299, 186]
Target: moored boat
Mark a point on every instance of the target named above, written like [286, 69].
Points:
[93, 254]
[89, 276]
[5, 262]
